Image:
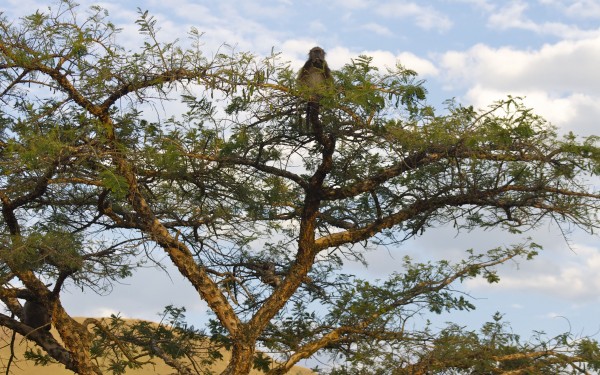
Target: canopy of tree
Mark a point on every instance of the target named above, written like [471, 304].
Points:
[102, 170]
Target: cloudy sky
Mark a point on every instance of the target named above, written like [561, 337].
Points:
[476, 51]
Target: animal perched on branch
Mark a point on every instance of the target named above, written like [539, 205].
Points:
[315, 77]
[36, 315]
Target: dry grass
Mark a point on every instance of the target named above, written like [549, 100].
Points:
[22, 367]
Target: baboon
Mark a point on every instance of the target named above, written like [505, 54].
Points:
[36, 315]
[315, 77]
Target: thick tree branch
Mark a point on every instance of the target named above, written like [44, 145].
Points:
[362, 327]
[43, 338]
[306, 243]
[482, 198]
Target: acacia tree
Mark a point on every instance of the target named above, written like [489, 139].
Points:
[258, 210]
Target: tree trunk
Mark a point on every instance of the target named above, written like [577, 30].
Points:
[242, 356]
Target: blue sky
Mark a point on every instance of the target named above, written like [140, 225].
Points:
[476, 51]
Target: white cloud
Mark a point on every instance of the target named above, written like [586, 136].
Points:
[353, 4]
[513, 16]
[486, 5]
[190, 11]
[377, 29]
[584, 9]
[260, 10]
[567, 66]
[574, 277]
[20, 8]
[426, 17]
[576, 112]
[576, 8]
[510, 16]
[422, 66]
[228, 23]
[558, 80]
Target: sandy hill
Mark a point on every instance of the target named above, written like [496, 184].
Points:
[22, 367]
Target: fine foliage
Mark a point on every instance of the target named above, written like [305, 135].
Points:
[103, 171]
